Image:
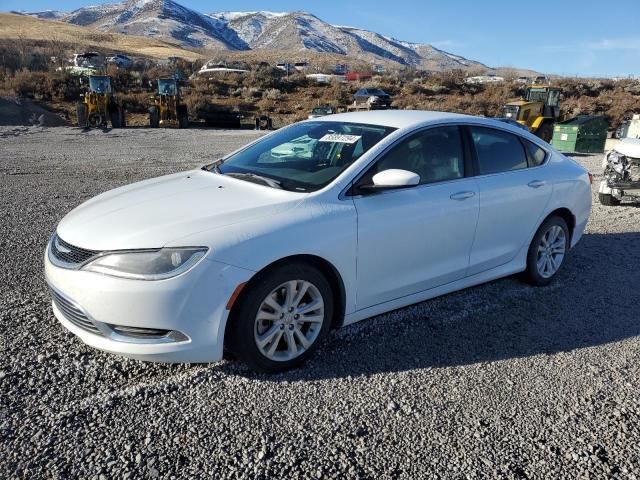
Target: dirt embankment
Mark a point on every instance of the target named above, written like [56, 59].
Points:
[23, 111]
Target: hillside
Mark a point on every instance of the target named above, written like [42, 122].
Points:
[22, 28]
[294, 32]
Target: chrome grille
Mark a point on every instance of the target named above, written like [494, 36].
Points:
[70, 255]
[73, 313]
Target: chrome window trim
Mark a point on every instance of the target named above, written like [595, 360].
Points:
[343, 193]
[520, 138]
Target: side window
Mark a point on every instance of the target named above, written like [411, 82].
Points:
[536, 154]
[554, 98]
[497, 151]
[436, 155]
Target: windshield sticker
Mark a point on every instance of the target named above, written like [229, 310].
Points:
[339, 138]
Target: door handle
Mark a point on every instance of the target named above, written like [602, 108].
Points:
[462, 195]
[536, 183]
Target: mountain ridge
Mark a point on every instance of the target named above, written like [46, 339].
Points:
[297, 31]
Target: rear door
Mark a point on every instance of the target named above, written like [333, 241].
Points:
[514, 188]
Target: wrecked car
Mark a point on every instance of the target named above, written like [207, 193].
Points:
[621, 173]
[373, 98]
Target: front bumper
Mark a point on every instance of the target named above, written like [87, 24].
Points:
[191, 306]
[619, 188]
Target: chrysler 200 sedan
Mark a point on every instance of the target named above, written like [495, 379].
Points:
[260, 254]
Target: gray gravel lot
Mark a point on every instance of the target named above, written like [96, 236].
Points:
[497, 381]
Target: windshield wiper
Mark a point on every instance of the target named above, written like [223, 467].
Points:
[213, 167]
[252, 176]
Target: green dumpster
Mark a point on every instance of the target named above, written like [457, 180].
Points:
[582, 134]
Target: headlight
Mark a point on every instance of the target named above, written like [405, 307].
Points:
[148, 264]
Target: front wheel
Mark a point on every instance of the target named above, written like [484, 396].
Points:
[545, 132]
[547, 251]
[116, 117]
[81, 113]
[282, 318]
[154, 117]
[183, 117]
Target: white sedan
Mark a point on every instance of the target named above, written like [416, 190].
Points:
[260, 254]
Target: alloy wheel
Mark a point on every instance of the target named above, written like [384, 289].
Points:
[551, 251]
[289, 320]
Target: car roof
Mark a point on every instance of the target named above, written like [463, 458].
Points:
[396, 118]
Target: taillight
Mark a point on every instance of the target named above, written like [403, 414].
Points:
[590, 177]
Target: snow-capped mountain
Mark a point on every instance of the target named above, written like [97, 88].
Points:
[263, 30]
[163, 19]
[299, 31]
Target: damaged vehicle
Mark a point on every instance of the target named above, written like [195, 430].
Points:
[621, 173]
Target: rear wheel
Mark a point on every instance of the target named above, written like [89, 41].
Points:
[81, 114]
[608, 200]
[547, 251]
[282, 318]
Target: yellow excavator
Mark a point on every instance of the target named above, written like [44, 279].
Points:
[538, 110]
[99, 105]
[168, 110]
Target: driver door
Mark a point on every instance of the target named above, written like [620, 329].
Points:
[416, 238]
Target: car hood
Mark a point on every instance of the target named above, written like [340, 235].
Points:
[629, 147]
[152, 213]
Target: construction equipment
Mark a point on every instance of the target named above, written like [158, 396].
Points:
[538, 111]
[99, 105]
[168, 110]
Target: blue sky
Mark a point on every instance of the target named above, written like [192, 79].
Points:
[583, 37]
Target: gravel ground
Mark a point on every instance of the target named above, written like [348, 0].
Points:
[497, 381]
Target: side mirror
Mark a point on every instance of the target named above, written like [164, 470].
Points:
[392, 179]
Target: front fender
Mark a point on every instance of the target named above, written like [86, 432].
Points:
[325, 229]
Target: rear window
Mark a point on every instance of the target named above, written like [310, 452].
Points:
[536, 154]
[497, 151]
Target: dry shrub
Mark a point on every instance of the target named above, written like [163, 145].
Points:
[267, 89]
[272, 94]
[45, 86]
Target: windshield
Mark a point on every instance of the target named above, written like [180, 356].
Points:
[167, 87]
[100, 84]
[306, 156]
[537, 95]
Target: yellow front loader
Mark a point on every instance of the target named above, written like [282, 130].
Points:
[538, 110]
[99, 105]
[168, 110]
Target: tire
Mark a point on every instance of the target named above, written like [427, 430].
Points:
[278, 327]
[116, 117]
[534, 274]
[545, 132]
[154, 117]
[81, 114]
[123, 118]
[608, 200]
[183, 117]
[96, 120]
